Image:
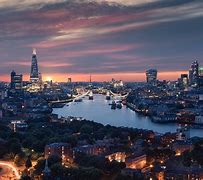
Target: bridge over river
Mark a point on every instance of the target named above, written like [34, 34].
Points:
[87, 93]
[99, 111]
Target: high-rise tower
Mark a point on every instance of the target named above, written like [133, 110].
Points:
[151, 76]
[34, 74]
[16, 81]
[194, 73]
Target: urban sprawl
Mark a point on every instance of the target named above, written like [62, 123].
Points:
[38, 144]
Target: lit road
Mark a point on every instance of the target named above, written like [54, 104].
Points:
[11, 169]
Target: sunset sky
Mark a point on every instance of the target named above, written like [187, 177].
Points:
[112, 38]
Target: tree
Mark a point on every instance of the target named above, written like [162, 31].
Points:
[82, 173]
[54, 159]
[93, 173]
[28, 141]
[28, 162]
[39, 167]
[19, 159]
[15, 148]
[86, 129]
[25, 178]
[115, 166]
[57, 170]
[123, 177]
[187, 158]
[4, 150]
[71, 139]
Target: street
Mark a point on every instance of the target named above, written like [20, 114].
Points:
[9, 171]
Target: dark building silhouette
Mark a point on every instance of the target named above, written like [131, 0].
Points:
[194, 74]
[16, 81]
[151, 75]
[183, 80]
[200, 81]
[34, 74]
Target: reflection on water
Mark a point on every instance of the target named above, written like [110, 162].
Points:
[98, 110]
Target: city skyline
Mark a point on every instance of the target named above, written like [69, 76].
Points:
[123, 38]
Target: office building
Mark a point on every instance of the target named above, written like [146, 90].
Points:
[200, 81]
[194, 74]
[200, 71]
[183, 80]
[16, 81]
[151, 76]
[62, 150]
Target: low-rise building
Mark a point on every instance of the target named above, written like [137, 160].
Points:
[184, 173]
[164, 118]
[136, 161]
[199, 119]
[181, 146]
[182, 134]
[62, 150]
[117, 156]
[90, 149]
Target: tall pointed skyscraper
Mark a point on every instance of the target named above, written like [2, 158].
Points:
[34, 74]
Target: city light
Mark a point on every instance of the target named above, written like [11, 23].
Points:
[113, 90]
[48, 78]
[14, 169]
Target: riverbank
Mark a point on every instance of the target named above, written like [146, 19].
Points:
[164, 119]
[99, 111]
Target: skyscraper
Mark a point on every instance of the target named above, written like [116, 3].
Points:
[201, 71]
[151, 76]
[200, 82]
[194, 73]
[183, 80]
[16, 81]
[34, 74]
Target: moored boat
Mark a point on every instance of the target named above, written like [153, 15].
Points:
[108, 97]
[91, 95]
[113, 105]
[119, 105]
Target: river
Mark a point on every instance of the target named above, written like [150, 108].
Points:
[98, 110]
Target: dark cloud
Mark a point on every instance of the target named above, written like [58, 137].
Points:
[80, 36]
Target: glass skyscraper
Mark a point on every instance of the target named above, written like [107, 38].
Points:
[34, 74]
[16, 81]
[194, 74]
[151, 76]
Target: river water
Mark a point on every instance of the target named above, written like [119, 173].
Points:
[98, 110]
